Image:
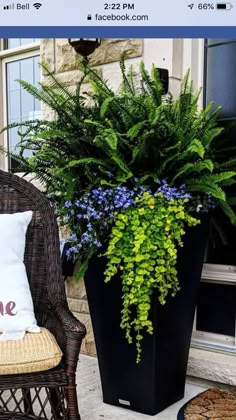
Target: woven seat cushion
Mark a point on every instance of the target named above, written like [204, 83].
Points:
[33, 353]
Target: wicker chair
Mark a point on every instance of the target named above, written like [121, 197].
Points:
[49, 394]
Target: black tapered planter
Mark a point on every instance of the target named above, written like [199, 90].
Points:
[159, 379]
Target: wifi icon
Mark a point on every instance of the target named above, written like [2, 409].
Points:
[37, 5]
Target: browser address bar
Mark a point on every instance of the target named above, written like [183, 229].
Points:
[101, 14]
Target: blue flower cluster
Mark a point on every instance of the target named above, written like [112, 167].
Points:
[94, 211]
[101, 202]
[171, 193]
[199, 204]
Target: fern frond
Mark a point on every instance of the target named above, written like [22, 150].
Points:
[206, 188]
[227, 209]
[196, 147]
[87, 161]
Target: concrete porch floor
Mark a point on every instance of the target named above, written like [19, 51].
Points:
[90, 397]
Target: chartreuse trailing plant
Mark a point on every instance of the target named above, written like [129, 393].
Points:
[143, 247]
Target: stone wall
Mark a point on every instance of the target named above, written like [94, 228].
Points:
[78, 304]
[62, 59]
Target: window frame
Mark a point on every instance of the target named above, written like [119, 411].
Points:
[8, 56]
[217, 274]
[211, 273]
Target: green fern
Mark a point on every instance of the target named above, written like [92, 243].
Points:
[135, 132]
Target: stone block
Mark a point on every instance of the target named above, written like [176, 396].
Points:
[78, 305]
[75, 289]
[111, 49]
[47, 52]
[67, 78]
[213, 366]
[88, 345]
[47, 113]
[66, 57]
[64, 231]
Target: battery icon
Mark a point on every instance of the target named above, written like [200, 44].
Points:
[224, 6]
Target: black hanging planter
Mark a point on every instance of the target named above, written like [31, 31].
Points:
[159, 379]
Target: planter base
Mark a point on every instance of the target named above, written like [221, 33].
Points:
[159, 379]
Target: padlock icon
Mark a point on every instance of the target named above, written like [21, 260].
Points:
[89, 17]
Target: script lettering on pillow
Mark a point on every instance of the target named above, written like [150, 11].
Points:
[8, 308]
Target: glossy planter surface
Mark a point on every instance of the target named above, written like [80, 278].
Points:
[159, 379]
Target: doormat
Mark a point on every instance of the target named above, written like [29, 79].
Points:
[213, 404]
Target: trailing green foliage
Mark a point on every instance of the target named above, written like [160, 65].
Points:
[143, 246]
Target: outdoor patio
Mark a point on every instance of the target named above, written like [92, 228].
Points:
[90, 397]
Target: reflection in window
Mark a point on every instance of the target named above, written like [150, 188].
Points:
[221, 242]
[216, 309]
[21, 105]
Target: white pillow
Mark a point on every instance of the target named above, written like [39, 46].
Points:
[16, 305]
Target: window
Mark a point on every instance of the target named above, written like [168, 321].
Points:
[21, 105]
[215, 319]
[19, 60]
[18, 42]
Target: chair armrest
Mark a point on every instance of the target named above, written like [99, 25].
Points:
[69, 322]
[69, 333]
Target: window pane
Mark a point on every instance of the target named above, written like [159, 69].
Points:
[27, 70]
[21, 105]
[216, 309]
[27, 105]
[221, 243]
[13, 74]
[14, 108]
[18, 42]
[27, 41]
